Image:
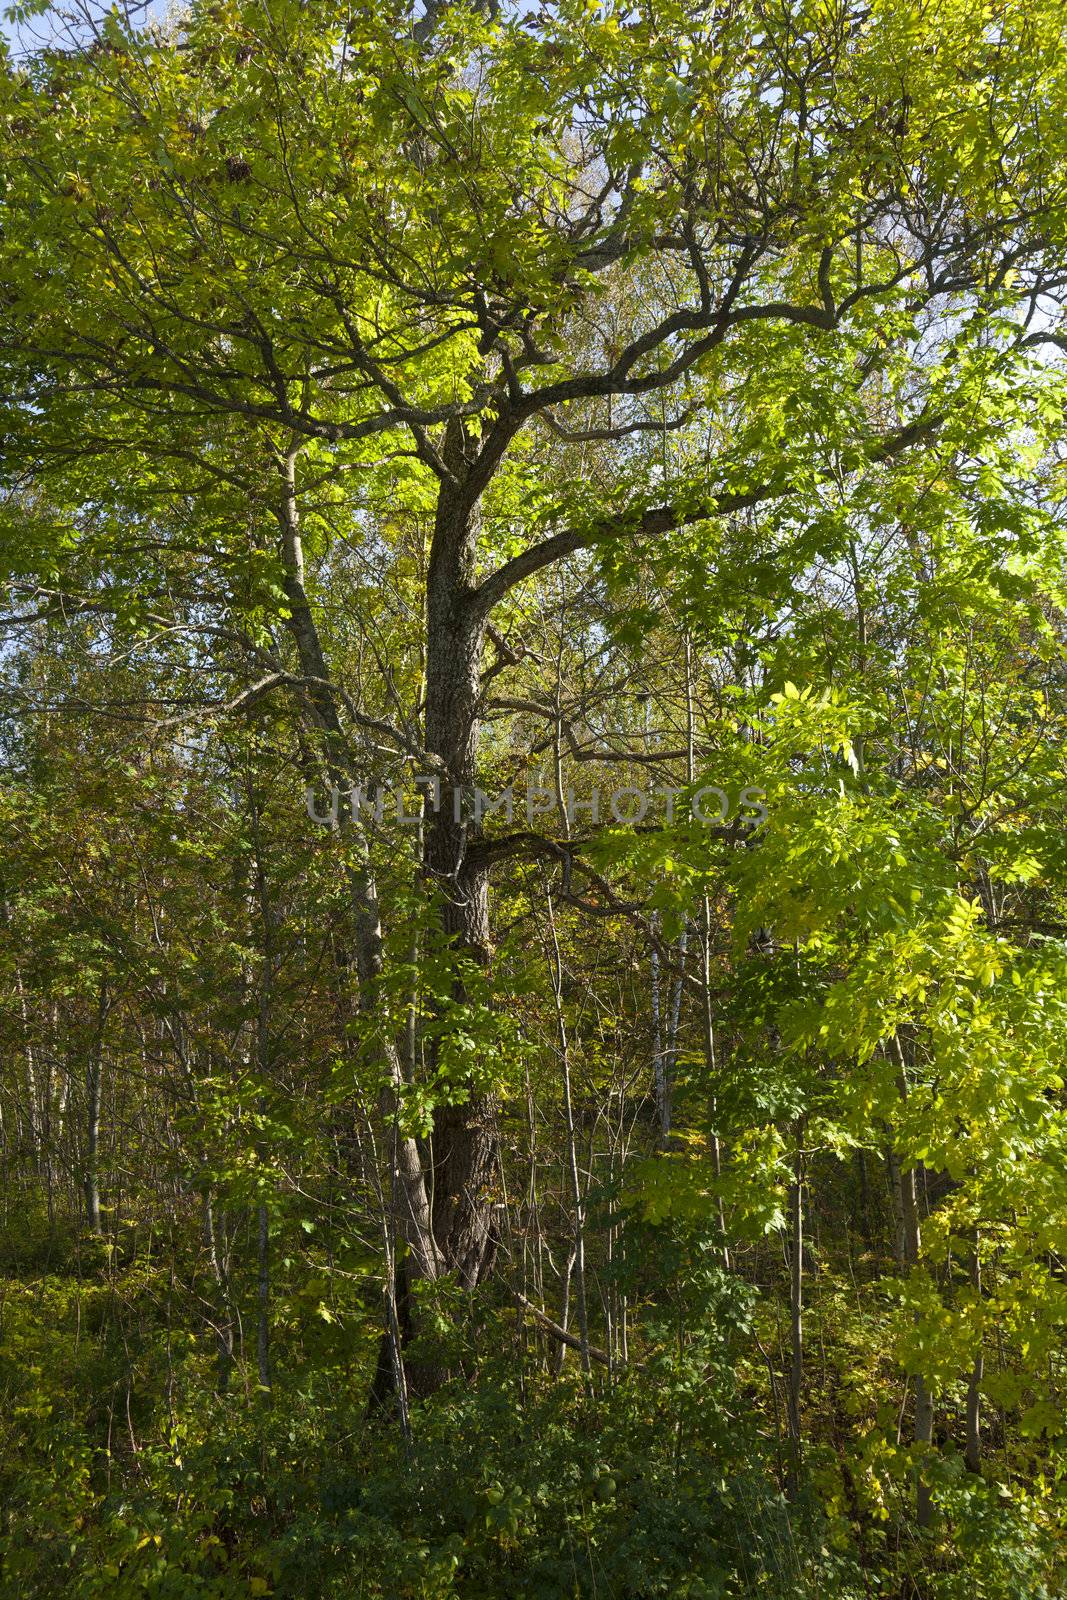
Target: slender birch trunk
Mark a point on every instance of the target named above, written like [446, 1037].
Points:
[973, 1427]
[572, 1148]
[263, 1296]
[796, 1309]
[912, 1241]
[93, 1085]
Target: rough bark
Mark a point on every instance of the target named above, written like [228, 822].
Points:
[465, 1132]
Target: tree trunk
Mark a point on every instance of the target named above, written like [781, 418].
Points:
[93, 1083]
[409, 1203]
[796, 1309]
[410, 1193]
[263, 1296]
[973, 1447]
[924, 1405]
[457, 1237]
[465, 1132]
[224, 1328]
[32, 1122]
[912, 1248]
[659, 1082]
[572, 1147]
[710, 1057]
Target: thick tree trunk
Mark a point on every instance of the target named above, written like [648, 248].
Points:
[465, 1133]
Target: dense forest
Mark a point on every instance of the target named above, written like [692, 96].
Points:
[533, 889]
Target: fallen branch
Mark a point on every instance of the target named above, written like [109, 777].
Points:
[569, 1339]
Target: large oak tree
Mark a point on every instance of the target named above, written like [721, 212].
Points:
[278, 274]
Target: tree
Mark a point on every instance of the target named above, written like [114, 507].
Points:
[309, 274]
